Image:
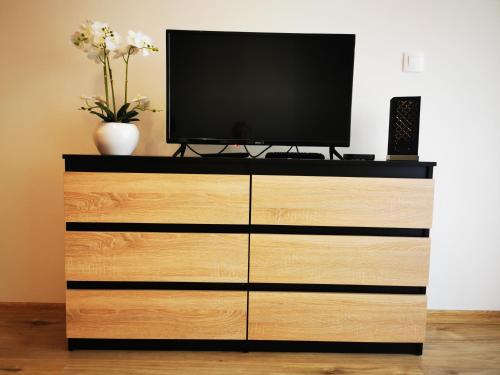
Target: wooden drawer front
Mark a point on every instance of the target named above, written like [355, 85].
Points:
[156, 198]
[147, 314]
[355, 260]
[350, 317]
[342, 201]
[185, 257]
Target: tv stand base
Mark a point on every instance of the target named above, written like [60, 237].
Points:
[335, 152]
[182, 150]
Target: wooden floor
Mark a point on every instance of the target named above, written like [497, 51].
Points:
[32, 342]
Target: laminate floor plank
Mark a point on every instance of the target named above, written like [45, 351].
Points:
[32, 341]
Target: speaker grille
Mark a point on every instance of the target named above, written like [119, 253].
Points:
[404, 126]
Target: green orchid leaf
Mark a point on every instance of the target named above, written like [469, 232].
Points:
[131, 114]
[110, 115]
[104, 118]
[122, 111]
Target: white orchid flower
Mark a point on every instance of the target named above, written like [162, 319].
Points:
[140, 41]
[95, 38]
[96, 55]
[142, 102]
[97, 27]
[113, 42]
[93, 98]
[122, 52]
[140, 99]
[136, 42]
[79, 39]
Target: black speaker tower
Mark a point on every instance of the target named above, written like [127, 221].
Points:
[404, 123]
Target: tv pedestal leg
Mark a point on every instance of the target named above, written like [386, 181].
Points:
[336, 153]
[180, 151]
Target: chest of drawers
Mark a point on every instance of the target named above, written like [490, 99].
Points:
[246, 254]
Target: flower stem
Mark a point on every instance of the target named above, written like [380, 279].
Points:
[105, 71]
[112, 85]
[126, 74]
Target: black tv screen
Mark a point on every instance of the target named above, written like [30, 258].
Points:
[259, 88]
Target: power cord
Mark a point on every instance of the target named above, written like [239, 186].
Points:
[260, 153]
[267, 148]
[197, 153]
[246, 149]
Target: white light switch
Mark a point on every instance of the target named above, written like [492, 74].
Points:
[413, 62]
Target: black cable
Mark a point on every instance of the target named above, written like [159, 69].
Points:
[297, 148]
[260, 153]
[223, 149]
[197, 153]
[287, 151]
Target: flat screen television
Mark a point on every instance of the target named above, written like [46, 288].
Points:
[259, 88]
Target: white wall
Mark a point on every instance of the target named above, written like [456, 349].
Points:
[42, 76]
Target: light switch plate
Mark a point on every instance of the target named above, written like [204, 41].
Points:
[413, 62]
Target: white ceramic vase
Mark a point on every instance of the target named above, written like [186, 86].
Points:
[116, 138]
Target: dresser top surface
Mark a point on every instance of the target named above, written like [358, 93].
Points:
[224, 165]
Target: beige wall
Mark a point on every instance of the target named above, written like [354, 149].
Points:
[42, 76]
